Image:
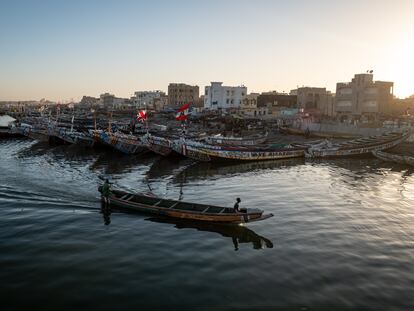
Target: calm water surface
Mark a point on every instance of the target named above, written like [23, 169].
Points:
[341, 238]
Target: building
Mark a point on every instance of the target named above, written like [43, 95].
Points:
[219, 97]
[363, 97]
[249, 107]
[109, 101]
[276, 99]
[277, 104]
[315, 100]
[160, 103]
[180, 94]
[142, 99]
[88, 101]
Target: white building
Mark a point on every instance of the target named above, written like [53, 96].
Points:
[222, 97]
[149, 98]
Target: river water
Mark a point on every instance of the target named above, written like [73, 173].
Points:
[341, 237]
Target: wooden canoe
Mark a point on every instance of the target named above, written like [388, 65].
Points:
[182, 210]
[361, 146]
[237, 141]
[206, 153]
[159, 145]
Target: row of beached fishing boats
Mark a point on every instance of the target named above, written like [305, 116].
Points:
[211, 148]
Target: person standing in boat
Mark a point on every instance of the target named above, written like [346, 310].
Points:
[106, 190]
[236, 205]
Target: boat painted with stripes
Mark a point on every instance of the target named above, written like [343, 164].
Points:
[356, 147]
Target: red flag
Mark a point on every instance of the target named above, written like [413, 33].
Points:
[142, 116]
[182, 114]
[184, 107]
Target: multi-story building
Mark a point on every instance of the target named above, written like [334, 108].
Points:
[277, 103]
[180, 94]
[249, 107]
[276, 99]
[109, 101]
[315, 100]
[363, 97]
[147, 98]
[160, 103]
[221, 97]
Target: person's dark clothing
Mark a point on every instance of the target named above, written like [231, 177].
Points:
[106, 189]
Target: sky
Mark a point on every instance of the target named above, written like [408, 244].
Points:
[62, 50]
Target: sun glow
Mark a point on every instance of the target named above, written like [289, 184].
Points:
[401, 66]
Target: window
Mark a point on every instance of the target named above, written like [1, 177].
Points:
[227, 101]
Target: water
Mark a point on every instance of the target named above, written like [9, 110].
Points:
[341, 238]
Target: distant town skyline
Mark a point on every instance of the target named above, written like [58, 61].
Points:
[61, 50]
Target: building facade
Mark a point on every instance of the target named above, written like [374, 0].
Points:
[275, 99]
[110, 101]
[180, 94]
[142, 99]
[315, 100]
[364, 97]
[219, 97]
[249, 107]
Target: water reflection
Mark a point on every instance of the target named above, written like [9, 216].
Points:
[165, 167]
[106, 213]
[237, 233]
[201, 170]
[116, 163]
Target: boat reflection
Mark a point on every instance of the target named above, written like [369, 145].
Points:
[164, 167]
[239, 234]
[201, 170]
[112, 162]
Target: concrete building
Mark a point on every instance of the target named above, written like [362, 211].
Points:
[363, 97]
[249, 107]
[180, 94]
[315, 100]
[217, 96]
[147, 98]
[160, 103]
[109, 101]
[277, 103]
[276, 99]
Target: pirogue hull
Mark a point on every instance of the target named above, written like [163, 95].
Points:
[206, 154]
[159, 145]
[35, 134]
[183, 210]
[127, 144]
[358, 147]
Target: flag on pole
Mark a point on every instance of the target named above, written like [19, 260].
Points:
[142, 116]
[182, 114]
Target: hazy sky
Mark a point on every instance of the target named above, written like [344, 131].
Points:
[63, 49]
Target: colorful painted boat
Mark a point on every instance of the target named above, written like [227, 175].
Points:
[75, 137]
[360, 146]
[204, 152]
[183, 210]
[35, 133]
[237, 141]
[129, 144]
[158, 144]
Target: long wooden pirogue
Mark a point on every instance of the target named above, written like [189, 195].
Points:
[183, 210]
[361, 146]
